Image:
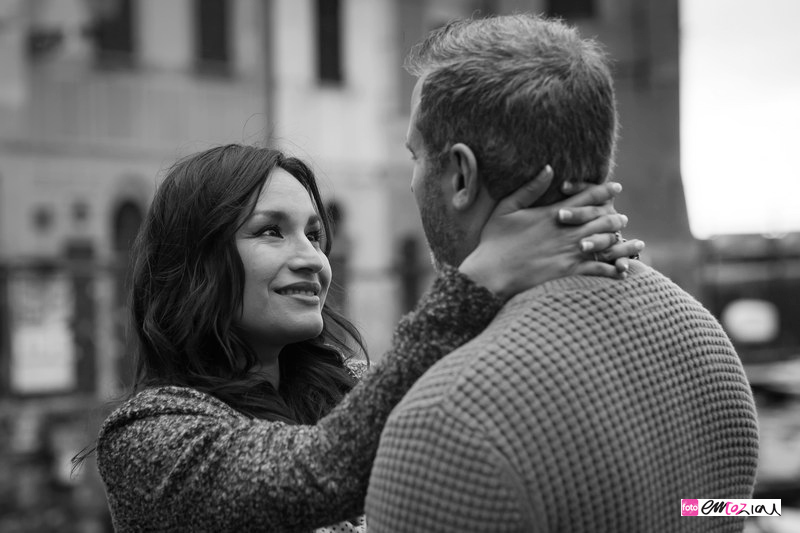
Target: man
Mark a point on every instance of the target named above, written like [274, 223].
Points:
[589, 404]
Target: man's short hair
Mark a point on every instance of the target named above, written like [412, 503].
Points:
[521, 91]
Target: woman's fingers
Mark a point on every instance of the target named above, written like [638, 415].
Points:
[618, 250]
[527, 194]
[581, 215]
[570, 187]
[622, 265]
[595, 268]
[589, 232]
[594, 195]
[503, 264]
[600, 242]
[614, 262]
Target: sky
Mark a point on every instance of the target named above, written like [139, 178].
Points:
[740, 115]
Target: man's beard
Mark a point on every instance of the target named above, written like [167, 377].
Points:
[440, 232]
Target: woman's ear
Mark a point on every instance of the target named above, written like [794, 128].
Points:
[464, 180]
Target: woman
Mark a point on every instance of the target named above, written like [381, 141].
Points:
[246, 414]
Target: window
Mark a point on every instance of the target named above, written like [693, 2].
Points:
[411, 29]
[329, 41]
[571, 9]
[212, 52]
[113, 35]
[128, 217]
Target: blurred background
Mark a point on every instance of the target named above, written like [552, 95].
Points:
[98, 97]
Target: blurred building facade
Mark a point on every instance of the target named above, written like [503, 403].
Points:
[98, 96]
[95, 98]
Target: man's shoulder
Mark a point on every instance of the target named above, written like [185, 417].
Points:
[455, 386]
[559, 319]
[515, 329]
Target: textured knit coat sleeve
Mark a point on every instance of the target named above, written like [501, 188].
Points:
[174, 459]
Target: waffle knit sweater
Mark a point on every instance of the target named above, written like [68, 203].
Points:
[175, 459]
[589, 405]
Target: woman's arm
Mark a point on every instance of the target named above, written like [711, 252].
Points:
[186, 470]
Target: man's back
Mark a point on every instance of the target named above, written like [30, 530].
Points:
[588, 405]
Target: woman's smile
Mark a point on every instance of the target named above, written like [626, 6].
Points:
[303, 291]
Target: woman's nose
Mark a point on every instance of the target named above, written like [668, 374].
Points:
[306, 256]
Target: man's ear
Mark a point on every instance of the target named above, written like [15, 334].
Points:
[464, 179]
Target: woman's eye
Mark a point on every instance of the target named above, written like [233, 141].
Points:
[271, 231]
[315, 236]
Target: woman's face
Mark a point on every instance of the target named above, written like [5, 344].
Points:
[287, 275]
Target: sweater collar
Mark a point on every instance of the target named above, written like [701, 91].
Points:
[571, 283]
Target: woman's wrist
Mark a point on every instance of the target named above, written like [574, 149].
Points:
[454, 310]
[491, 281]
[456, 297]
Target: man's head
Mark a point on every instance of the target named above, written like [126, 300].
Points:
[496, 100]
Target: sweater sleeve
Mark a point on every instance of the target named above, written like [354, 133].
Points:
[189, 471]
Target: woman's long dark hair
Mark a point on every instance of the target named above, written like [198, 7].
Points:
[187, 286]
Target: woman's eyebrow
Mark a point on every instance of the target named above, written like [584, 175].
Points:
[281, 216]
[271, 214]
